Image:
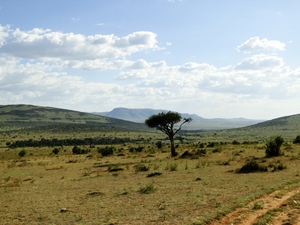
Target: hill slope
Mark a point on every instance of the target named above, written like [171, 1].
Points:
[140, 115]
[14, 117]
[287, 126]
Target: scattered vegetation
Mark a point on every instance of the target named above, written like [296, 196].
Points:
[202, 187]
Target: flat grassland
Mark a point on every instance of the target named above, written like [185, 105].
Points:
[147, 187]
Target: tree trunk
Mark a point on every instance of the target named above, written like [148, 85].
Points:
[173, 150]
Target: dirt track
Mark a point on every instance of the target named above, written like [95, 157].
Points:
[288, 214]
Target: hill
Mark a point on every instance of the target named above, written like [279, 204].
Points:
[14, 117]
[140, 115]
[287, 126]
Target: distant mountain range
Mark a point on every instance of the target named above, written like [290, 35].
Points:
[23, 118]
[140, 115]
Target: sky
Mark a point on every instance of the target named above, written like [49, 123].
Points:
[213, 58]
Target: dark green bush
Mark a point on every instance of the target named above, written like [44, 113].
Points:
[22, 153]
[154, 174]
[159, 144]
[55, 151]
[252, 166]
[235, 142]
[141, 167]
[273, 146]
[77, 150]
[276, 167]
[136, 149]
[297, 140]
[106, 151]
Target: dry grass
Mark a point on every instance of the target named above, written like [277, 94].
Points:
[43, 188]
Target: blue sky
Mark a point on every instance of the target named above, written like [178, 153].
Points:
[213, 58]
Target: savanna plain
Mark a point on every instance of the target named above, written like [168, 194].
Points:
[137, 182]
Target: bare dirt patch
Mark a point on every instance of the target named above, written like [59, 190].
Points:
[248, 215]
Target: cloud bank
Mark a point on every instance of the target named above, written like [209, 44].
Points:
[43, 67]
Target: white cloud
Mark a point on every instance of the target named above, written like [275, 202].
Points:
[3, 34]
[193, 66]
[256, 44]
[40, 43]
[260, 62]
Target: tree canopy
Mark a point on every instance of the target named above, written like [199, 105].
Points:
[165, 122]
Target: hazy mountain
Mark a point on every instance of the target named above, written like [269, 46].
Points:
[140, 115]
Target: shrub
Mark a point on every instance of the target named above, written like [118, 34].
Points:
[136, 149]
[252, 166]
[22, 153]
[201, 145]
[171, 167]
[154, 174]
[55, 151]
[141, 168]
[211, 144]
[77, 150]
[114, 168]
[277, 167]
[106, 151]
[258, 205]
[273, 146]
[159, 144]
[297, 140]
[201, 151]
[235, 142]
[147, 189]
[217, 149]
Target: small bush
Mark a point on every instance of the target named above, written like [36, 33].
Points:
[297, 140]
[55, 151]
[114, 168]
[77, 150]
[201, 151]
[171, 167]
[217, 149]
[276, 167]
[159, 144]
[22, 153]
[211, 144]
[154, 174]
[252, 166]
[136, 149]
[141, 168]
[148, 189]
[273, 146]
[106, 151]
[201, 145]
[258, 206]
[235, 142]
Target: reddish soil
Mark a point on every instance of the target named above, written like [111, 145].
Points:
[287, 215]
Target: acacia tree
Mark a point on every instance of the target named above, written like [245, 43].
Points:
[165, 122]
